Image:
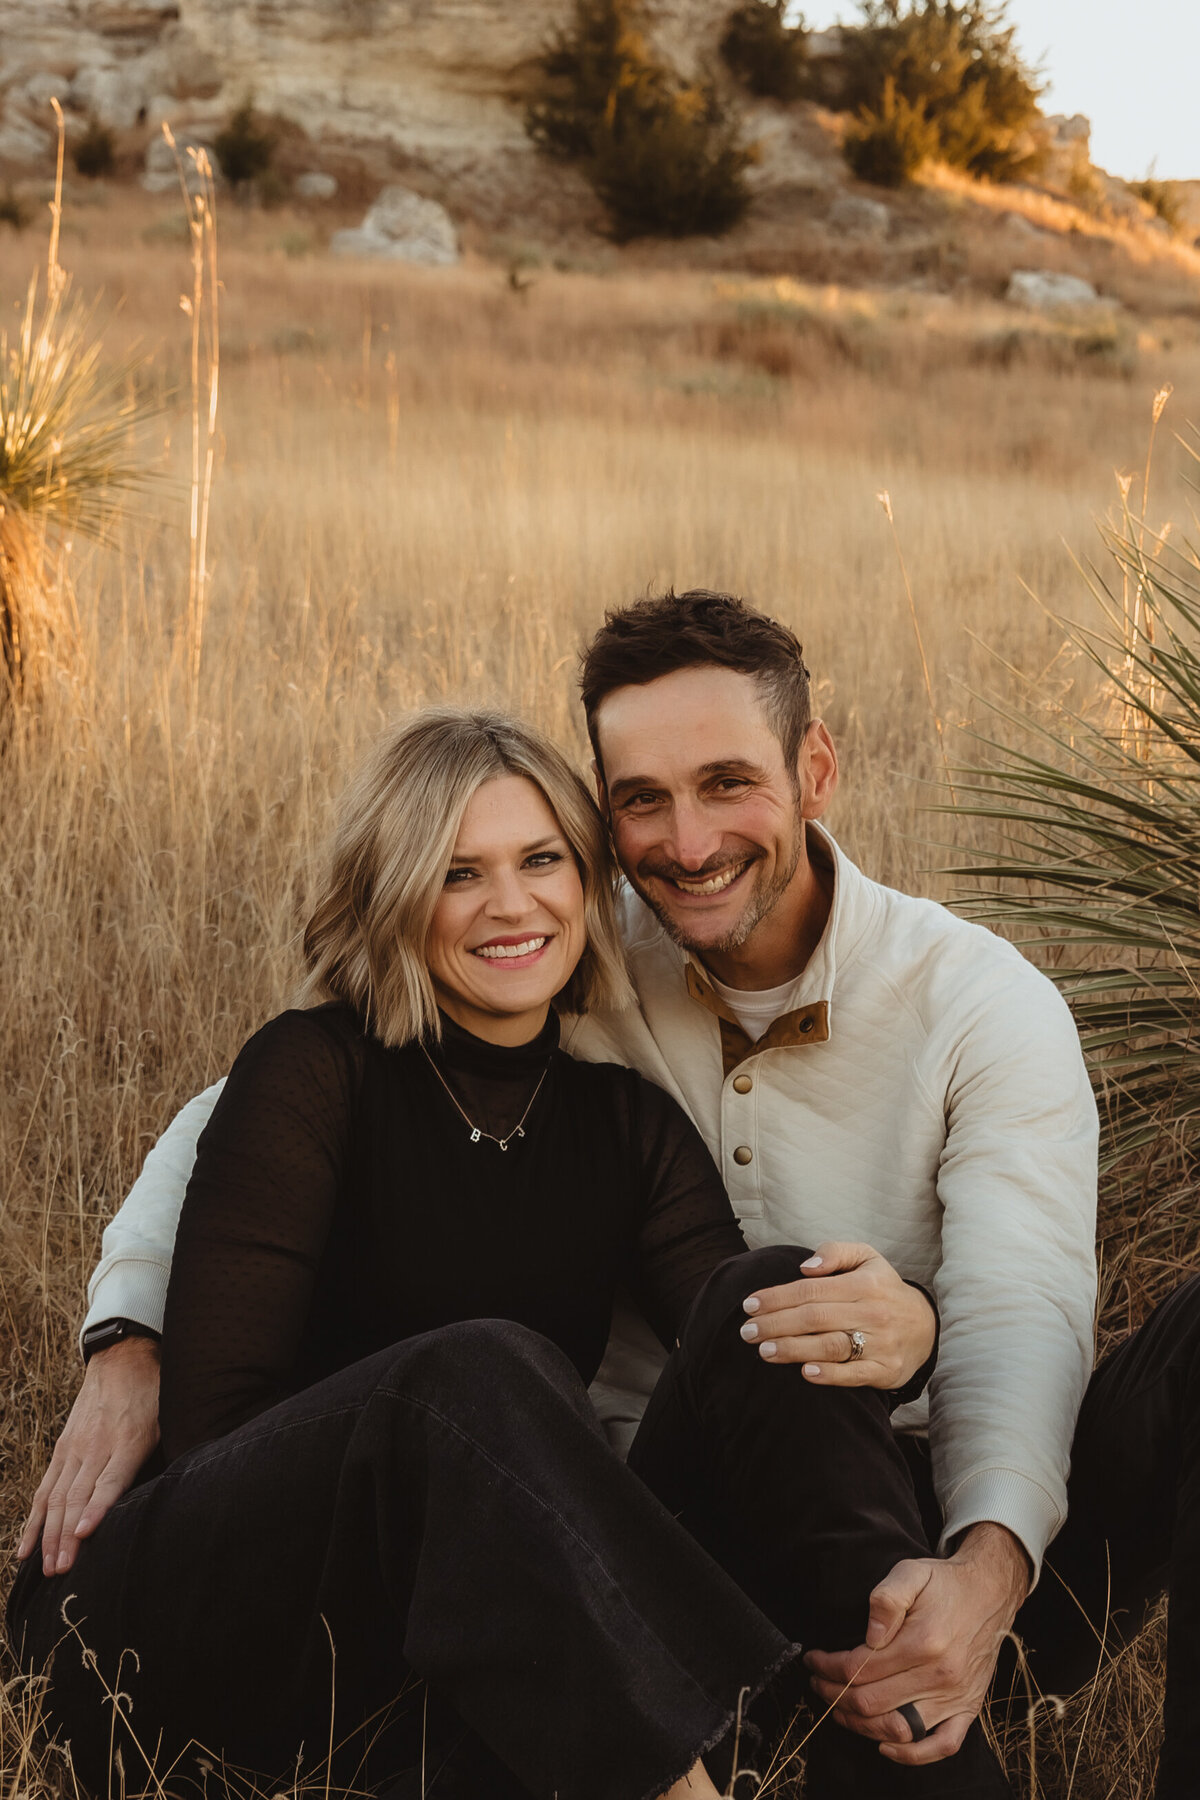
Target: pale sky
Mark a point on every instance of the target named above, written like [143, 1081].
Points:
[1134, 70]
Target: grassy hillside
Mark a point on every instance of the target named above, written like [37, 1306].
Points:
[430, 485]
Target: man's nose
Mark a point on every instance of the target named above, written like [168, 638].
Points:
[694, 836]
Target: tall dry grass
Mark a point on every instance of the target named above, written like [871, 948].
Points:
[431, 484]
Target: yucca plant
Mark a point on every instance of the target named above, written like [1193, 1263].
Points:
[1100, 872]
[67, 449]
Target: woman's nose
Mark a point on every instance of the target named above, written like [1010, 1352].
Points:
[510, 897]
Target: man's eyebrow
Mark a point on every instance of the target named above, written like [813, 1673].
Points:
[732, 765]
[542, 843]
[630, 785]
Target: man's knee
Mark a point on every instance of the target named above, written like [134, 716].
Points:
[730, 1285]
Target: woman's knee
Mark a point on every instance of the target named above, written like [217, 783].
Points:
[492, 1356]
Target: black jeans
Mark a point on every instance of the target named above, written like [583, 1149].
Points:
[805, 1495]
[446, 1512]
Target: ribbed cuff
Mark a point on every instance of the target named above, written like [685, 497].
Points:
[916, 1385]
[1004, 1497]
[132, 1288]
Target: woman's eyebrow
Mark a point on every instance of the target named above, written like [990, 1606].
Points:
[471, 856]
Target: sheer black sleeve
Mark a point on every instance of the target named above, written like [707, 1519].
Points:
[253, 1227]
[688, 1225]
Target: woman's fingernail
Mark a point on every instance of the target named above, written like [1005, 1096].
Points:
[767, 1349]
[814, 1262]
[749, 1331]
[752, 1304]
[811, 1368]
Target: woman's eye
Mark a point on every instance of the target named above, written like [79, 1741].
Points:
[545, 859]
[455, 877]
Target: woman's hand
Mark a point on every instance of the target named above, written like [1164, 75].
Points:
[111, 1430]
[844, 1288]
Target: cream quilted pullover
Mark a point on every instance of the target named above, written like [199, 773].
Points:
[926, 1095]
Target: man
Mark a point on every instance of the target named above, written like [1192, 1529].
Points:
[879, 1078]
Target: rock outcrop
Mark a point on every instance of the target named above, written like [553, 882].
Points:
[1047, 289]
[428, 80]
[402, 227]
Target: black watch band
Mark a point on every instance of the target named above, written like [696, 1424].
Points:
[113, 1331]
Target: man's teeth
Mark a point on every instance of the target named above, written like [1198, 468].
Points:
[494, 952]
[715, 884]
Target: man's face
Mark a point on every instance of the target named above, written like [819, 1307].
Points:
[706, 817]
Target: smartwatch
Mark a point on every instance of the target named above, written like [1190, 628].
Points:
[113, 1331]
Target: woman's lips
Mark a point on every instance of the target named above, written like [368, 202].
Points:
[512, 953]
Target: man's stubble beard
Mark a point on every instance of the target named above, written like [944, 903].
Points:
[761, 903]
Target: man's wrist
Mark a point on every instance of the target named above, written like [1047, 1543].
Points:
[112, 1335]
[999, 1556]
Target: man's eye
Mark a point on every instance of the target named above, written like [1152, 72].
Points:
[731, 784]
[635, 801]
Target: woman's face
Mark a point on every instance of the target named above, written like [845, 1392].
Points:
[508, 928]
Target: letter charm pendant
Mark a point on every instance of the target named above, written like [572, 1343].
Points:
[476, 1135]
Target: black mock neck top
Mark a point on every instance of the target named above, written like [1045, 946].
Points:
[338, 1205]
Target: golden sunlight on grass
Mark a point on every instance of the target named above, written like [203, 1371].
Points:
[430, 485]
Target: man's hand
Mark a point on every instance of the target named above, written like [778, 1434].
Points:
[844, 1288]
[933, 1637]
[112, 1428]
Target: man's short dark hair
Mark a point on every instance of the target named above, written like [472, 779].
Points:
[654, 637]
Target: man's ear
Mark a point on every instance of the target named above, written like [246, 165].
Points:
[817, 770]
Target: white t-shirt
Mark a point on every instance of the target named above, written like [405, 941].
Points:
[756, 1009]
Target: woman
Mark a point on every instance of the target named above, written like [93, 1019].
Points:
[389, 1536]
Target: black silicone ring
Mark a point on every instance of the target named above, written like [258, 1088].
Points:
[914, 1721]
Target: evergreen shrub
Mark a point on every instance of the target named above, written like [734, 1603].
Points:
[951, 63]
[245, 147]
[665, 155]
[95, 152]
[764, 51]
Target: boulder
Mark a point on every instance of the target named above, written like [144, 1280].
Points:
[402, 227]
[1046, 289]
[37, 93]
[856, 216]
[118, 94]
[315, 184]
[23, 142]
[192, 71]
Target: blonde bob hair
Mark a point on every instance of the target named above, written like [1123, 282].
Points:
[365, 941]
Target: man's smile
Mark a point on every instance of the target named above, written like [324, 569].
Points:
[705, 886]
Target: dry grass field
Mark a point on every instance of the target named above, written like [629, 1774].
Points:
[430, 484]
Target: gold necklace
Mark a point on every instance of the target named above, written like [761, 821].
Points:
[477, 1132]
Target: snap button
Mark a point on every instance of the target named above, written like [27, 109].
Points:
[806, 1024]
[742, 1084]
[743, 1154]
